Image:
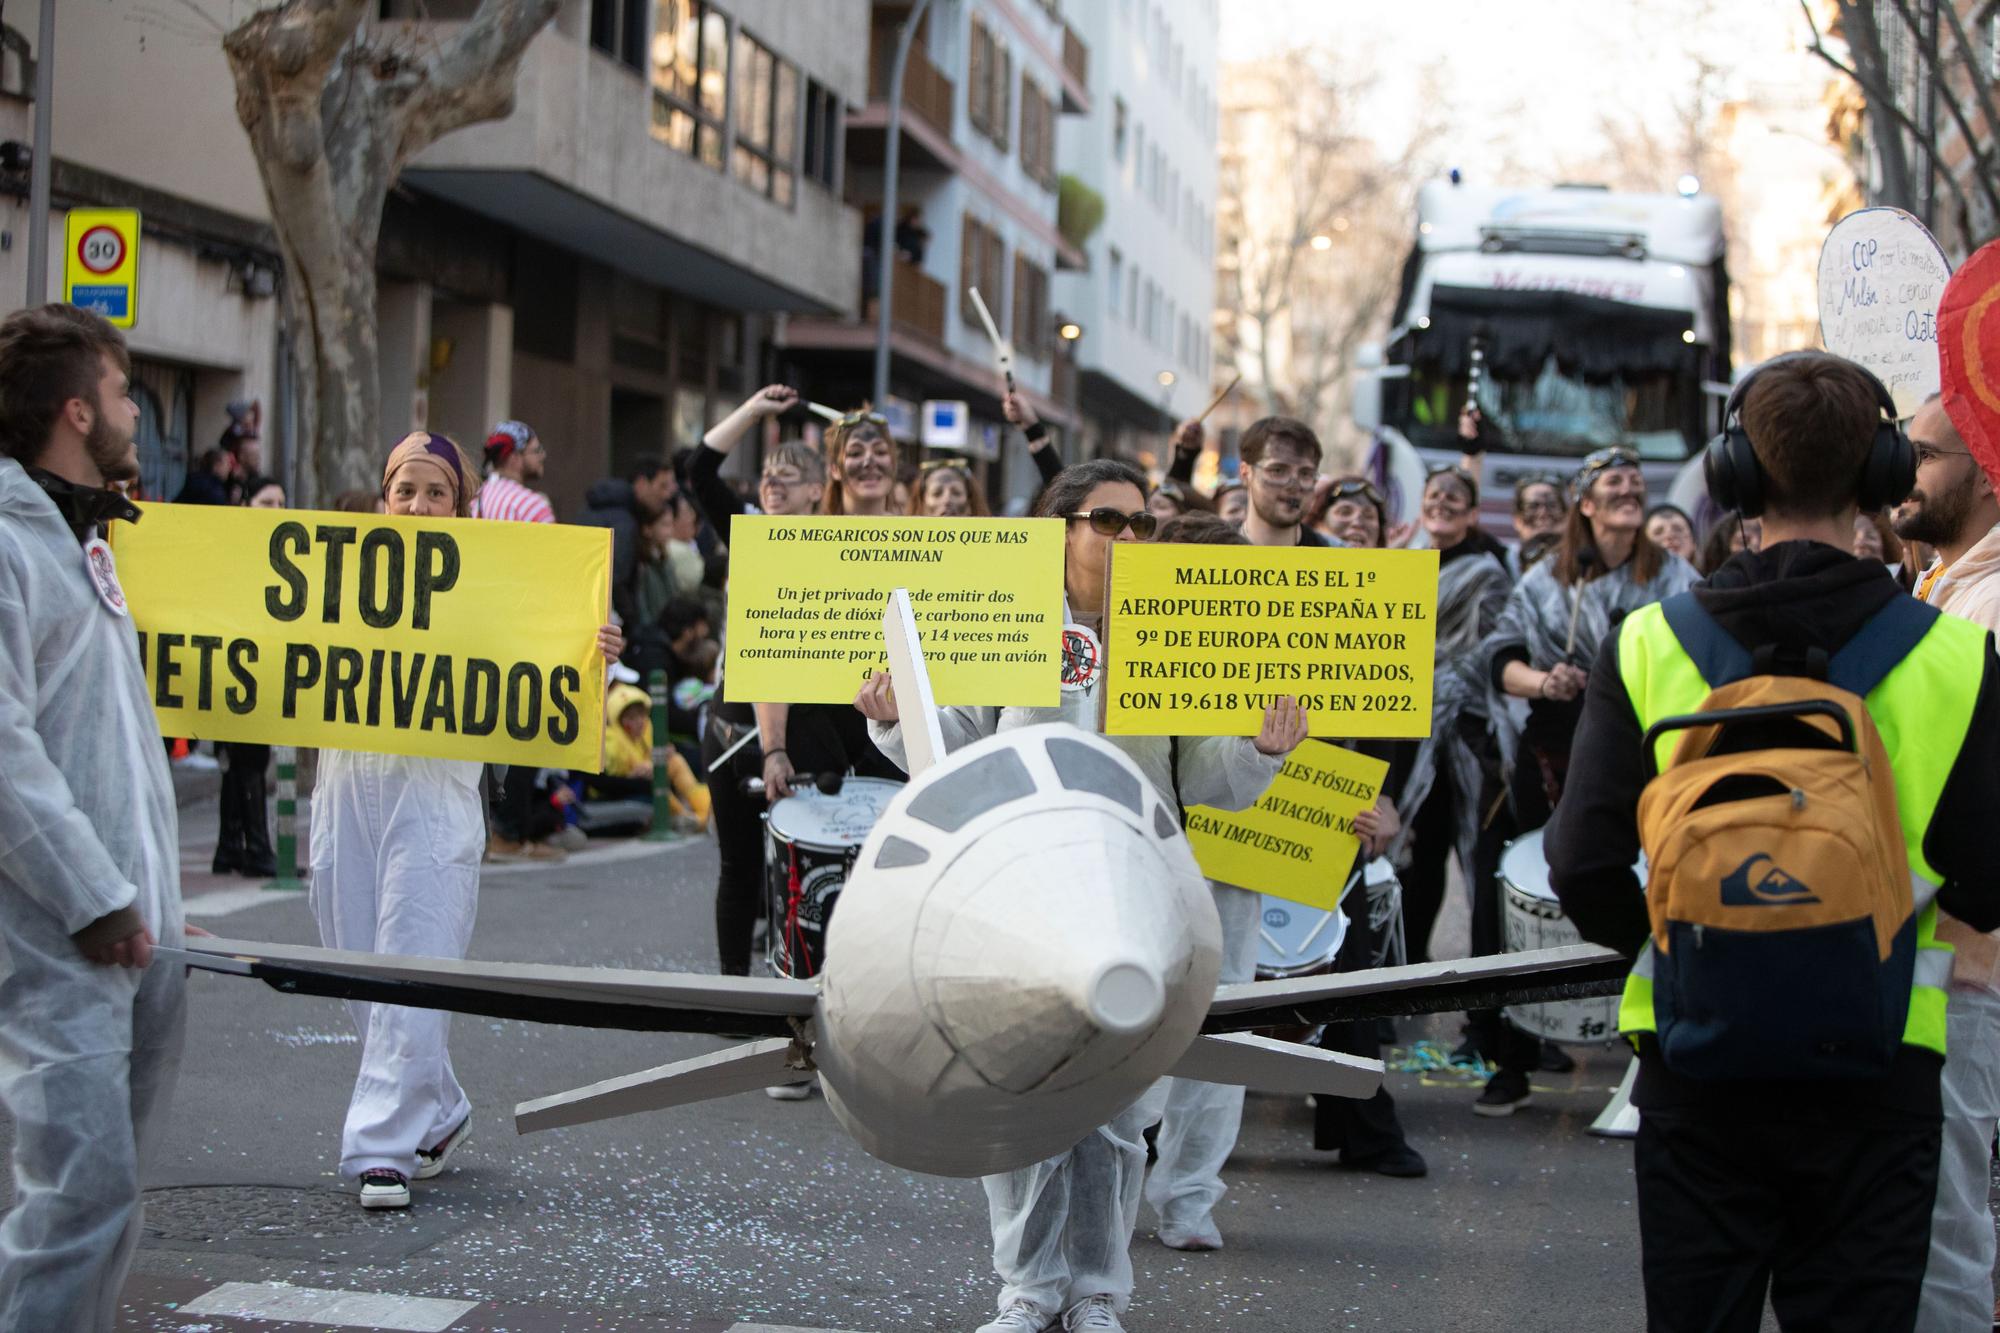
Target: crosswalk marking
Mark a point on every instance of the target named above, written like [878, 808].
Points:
[347, 1309]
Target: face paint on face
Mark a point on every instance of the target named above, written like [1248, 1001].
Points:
[1353, 522]
[867, 463]
[946, 495]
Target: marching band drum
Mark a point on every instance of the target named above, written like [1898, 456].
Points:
[810, 842]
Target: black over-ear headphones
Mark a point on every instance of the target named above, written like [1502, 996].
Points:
[1736, 480]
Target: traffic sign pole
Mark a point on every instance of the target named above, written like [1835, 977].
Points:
[38, 168]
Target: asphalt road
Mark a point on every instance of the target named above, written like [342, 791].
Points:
[750, 1211]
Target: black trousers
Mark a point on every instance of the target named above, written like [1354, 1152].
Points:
[513, 811]
[739, 835]
[1362, 1131]
[1831, 1215]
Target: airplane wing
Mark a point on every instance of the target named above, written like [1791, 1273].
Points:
[1569, 973]
[739, 1007]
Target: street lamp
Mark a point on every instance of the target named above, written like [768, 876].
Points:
[1069, 331]
[1322, 242]
[1165, 379]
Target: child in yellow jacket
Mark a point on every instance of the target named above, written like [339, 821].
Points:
[628, 757]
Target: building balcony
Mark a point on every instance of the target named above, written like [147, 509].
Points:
[577, 165]
[916, 303]
[926, 90]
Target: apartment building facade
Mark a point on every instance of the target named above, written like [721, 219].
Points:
[990, 88]
[1148, 150]
[606, 263]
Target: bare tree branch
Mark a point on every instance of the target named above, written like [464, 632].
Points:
[472, 78]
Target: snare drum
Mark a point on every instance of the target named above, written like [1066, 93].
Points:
[810, 842]
[1535, 920]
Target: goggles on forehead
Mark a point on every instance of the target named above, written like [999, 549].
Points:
[1596, 464]
[1348, 490]
[856, 418]
[1458, 474]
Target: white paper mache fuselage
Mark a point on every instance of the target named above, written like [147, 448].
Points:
[1024, 945]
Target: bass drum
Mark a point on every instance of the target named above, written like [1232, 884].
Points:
[1535, 920]
[1297, 940]
[810, 842]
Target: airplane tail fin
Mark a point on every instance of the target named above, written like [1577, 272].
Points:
[910, 678]
[746, 1068]
[1247, 1060]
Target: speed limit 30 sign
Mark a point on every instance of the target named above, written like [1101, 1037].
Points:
[101, 262]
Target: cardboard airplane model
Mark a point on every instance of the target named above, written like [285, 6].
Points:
[1024, 945]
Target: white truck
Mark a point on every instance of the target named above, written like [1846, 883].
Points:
[1578, 318]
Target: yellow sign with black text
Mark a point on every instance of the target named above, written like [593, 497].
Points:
[806, 598]
[1297, 842]
[1203, 638]
[451, 638]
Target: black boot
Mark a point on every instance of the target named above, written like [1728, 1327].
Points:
[229, 840]
[258, 863]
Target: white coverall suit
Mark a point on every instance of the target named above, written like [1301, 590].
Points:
[1062, 1228]
[88, 1053]
[396, 843]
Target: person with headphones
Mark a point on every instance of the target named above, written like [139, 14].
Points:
[1809, 1183]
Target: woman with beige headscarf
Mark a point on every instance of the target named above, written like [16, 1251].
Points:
[396, 842]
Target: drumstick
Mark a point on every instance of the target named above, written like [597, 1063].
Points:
[1575, 606]
[1216, 401]
[821, 409]
[1001, 351]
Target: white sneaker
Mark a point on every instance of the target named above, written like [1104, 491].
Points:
[383, 1188]
[1092, 1313]
[790, 1092]
[430, 1161]
[1019, 1317]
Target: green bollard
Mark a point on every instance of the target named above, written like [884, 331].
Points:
[663, 817]
[288, 821]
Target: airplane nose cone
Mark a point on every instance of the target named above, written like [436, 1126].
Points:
[1127, 997]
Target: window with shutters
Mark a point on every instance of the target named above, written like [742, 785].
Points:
[1038, 134]
[979, 79]
[1031, 308]
[982, 263]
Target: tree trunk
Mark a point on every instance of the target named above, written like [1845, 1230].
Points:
[333, 110]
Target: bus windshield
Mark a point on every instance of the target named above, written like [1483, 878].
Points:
[1657, 415]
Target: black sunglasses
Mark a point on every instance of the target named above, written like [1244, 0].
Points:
[1110, 522]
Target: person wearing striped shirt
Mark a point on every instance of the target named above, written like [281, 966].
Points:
[514, 458]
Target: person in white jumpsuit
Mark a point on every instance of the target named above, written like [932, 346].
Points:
[396, 844]
[1062, 1228]
[90, 1035]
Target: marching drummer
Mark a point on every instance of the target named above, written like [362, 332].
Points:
[1604, 569]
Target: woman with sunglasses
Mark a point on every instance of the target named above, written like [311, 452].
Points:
[1456, 770]
[396, 842]
[1062, 1229]
[1604, 569]
[947, 488]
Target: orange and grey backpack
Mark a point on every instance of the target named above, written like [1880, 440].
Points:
[1778, 886]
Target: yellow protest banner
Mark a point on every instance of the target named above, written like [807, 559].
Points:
[806, 597]
[1203, 638]
[453, 638]
[1298, 842]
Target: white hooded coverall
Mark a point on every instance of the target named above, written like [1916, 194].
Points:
[1062, 1228]
[88, 1054]
[396, 843]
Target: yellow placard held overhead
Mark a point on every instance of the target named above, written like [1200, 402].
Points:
[806, 597]
[452, 638]
[1298, 842]
[1203, 638]
[101, 262]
